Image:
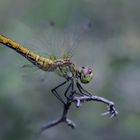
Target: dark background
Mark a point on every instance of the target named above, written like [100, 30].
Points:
[110, 47]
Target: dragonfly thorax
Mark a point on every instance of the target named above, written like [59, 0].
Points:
[85, 75]
[67, 71]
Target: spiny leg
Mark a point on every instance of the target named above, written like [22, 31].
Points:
[55, 93]
[66, 108]
[72, 88]
[71, 85]
[73, 91]
[66, 92]
[82, 90]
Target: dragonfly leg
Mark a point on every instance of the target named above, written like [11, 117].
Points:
[82, 90]
[55, 93]
[72, 92]
[66, 92]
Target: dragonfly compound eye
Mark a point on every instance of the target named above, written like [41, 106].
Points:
[86, 75]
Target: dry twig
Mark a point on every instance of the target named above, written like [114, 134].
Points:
[78, 100]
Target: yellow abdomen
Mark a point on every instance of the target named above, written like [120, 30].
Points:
[43, 63]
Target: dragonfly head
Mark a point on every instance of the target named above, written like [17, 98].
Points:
[85, 75]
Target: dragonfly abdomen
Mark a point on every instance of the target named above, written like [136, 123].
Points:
[43, 63]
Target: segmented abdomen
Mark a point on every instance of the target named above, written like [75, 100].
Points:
[43, 63]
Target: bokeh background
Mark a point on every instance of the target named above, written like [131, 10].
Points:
[111, 47]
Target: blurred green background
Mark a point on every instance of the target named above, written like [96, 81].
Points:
[111, 47]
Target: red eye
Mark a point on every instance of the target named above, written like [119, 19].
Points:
[90, 71]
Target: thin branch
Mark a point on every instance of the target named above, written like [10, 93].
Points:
[63, 119]
[78, 100]
[111, 109]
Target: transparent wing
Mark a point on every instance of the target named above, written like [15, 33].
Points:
[58, 42]
[74, 35]
[41, 42]
[33, 74]
[53, 41]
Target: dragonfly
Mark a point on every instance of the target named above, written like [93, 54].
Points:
[64, 67]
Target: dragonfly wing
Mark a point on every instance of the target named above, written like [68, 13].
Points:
[73, 35]
[31, 72]
[58, 42]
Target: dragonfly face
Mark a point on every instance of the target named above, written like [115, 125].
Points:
[85, 75]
